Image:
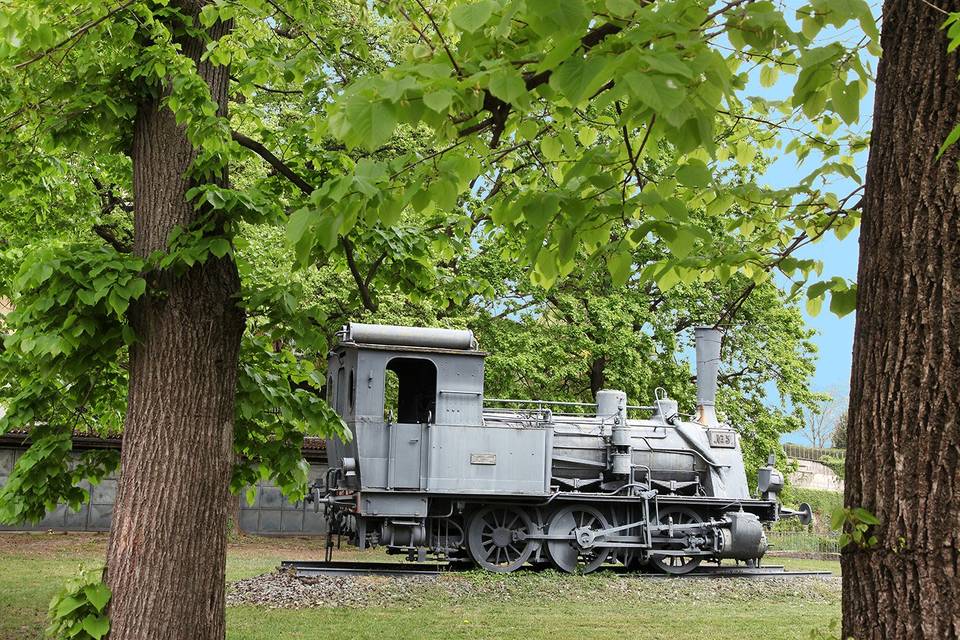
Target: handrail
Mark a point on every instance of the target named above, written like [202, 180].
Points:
[812, 454]
[539, 402]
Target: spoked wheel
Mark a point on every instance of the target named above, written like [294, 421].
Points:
[490, 538]
[576, 554]
[677, 565]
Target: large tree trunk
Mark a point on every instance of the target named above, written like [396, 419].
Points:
[903, 437]
[166, 557]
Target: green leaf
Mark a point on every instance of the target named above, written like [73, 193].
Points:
[552, 148]
[219, 247]
[96, 626]
[667, 279]
[577, 79]
[952, 138]
[587, 136]
[682, 243]
[837, 518]
[507, 84]
[622, 8]
[98, 595]
[557, 17]
[619, 264]
[471, 17]
[694, 174]
[439, 100]
[67, 605]
[865, 516]
[367, 123]
[298, 223]
[769, 75]
[843, 301]
[846, 100]
[658, 92]
[528, 130]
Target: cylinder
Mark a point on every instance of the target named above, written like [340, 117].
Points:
[388, 334]
[708, 340]
[744, 539]
[622, 463]
[611, 402]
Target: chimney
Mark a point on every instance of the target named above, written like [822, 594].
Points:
[708, 364]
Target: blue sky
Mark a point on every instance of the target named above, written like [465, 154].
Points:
[834, 336]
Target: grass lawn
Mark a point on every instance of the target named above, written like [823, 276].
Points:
[32, 567]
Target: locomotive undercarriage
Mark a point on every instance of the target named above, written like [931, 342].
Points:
[572, 532]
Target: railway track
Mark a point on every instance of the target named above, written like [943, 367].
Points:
[315, 568]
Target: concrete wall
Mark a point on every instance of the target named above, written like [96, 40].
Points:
[270, 513]
[815, 475]
[93, 516]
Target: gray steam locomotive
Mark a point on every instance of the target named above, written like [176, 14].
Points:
[435, 468]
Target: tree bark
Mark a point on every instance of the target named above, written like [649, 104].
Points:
[903, 435]
[166, 556]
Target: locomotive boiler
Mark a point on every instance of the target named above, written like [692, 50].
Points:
[434, 467]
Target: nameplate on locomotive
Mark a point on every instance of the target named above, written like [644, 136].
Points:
[483, 458]
[722, 439]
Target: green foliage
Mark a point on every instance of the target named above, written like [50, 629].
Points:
[278, 403]
[78, 611]
[823, 503]
[577, 180]
[837, 465]
[855, 523]
[62, 368]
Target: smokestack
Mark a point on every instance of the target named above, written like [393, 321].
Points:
[708, 364]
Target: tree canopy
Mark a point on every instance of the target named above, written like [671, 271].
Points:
[458, 163]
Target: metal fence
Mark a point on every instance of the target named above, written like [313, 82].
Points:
[815, 454]
[803, 542]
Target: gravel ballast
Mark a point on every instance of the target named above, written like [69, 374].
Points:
[283, 589]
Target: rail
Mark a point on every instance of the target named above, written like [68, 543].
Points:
[316, 568]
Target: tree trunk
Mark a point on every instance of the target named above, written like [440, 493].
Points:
[903, 435]
[166, 557]
[598, 375]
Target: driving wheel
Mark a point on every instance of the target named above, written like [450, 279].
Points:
[491, 538]
[577, 553]
[677, 564]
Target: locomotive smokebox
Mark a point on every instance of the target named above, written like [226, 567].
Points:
[708, 365]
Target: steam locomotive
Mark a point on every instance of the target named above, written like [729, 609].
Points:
[435, 468]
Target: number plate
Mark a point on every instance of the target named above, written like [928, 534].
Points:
[722, 439]
[483, 458]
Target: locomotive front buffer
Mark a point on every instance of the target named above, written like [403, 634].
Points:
[435, 468]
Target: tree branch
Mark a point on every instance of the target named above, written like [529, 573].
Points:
[456, 67]
[500, 110]
[273, 161]
[374, 268]
[106, 232]
[365, 296]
